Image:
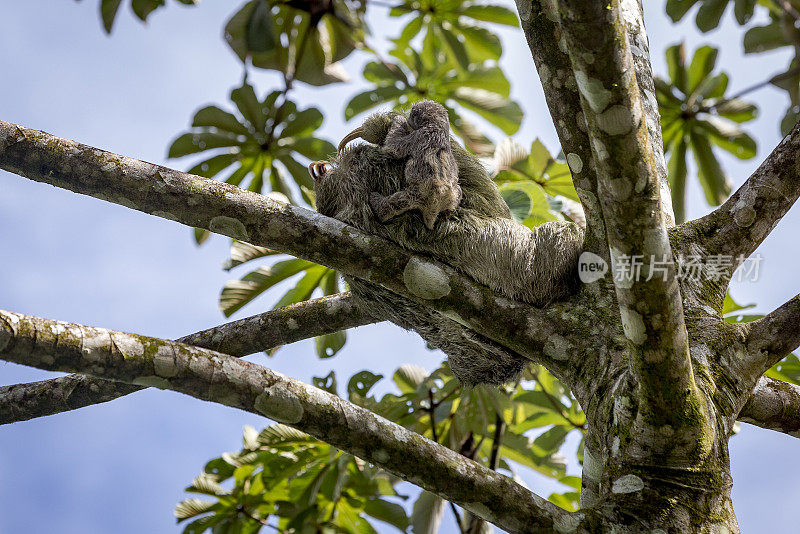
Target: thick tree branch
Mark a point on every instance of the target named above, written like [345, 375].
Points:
[633, 21]
[774, 405]
[772, 338]
[259, 220]
[258, 333]
[646, 285]
[739, 226]
[540, 23]
[215, 377]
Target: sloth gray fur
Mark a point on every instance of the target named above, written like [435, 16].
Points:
[478, 238]
[431, 174]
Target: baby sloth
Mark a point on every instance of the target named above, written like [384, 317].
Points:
[431, 174]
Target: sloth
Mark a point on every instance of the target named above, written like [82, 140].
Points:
[431, 173]
[478, 238]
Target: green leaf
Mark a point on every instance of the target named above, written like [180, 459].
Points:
[743, 10]
[737, 110]
[238, 293]
[242, 252]
[388, 512]
[361, 382]
[192, 507]
[457, 49]
[426, 515]
[251, 109]
[676, 9]
[260, 34]
[192, 143]
[677, 171]
[328, 345]
[370, 99]
[703, 62]
[676, 64]
[716, 185]
[709, 14]
[212, 116]
[108, 12]
[728, 136]
[213, 165]
[762, 38]
[499, 111]
[491, 13]
[304, 288]
[302, 123]
[408, 377]
[328, 382]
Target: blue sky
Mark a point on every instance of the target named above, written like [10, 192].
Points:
[122, 466]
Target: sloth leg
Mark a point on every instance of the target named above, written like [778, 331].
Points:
[386, 208]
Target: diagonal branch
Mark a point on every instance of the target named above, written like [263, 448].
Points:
[265, 331]
[646, 285]
[774, 405]
[247, 216]
[772, 338]
[739, 226]
[215, 377]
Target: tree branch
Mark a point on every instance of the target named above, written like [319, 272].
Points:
[211, 376]
[739, 226]
[258, 333]
[774, 405]
[542, 31]
[649, 300]
[772, 338]
[260, 220]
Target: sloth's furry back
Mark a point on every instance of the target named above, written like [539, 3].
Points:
[479, 239]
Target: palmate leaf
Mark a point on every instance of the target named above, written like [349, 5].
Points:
[530, 180]
[481, 89]
[453, 28]
[695, 114]
[260, 144]
[319, 34]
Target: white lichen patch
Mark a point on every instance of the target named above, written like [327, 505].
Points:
[95, 345]
[627, 484]
[617, 255]
[615, 446]
[592, 467]
[575, 163]
[222, 224]
[280, 404]
[599, 149]
[557, 347]
[744, 216]
[524, 9]
[291, 324]
[425, 279]
[128, 346]
[593, 91]
[164, 362]
[616, 120]
[57, 329]
[567, 523]
[633, 325]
